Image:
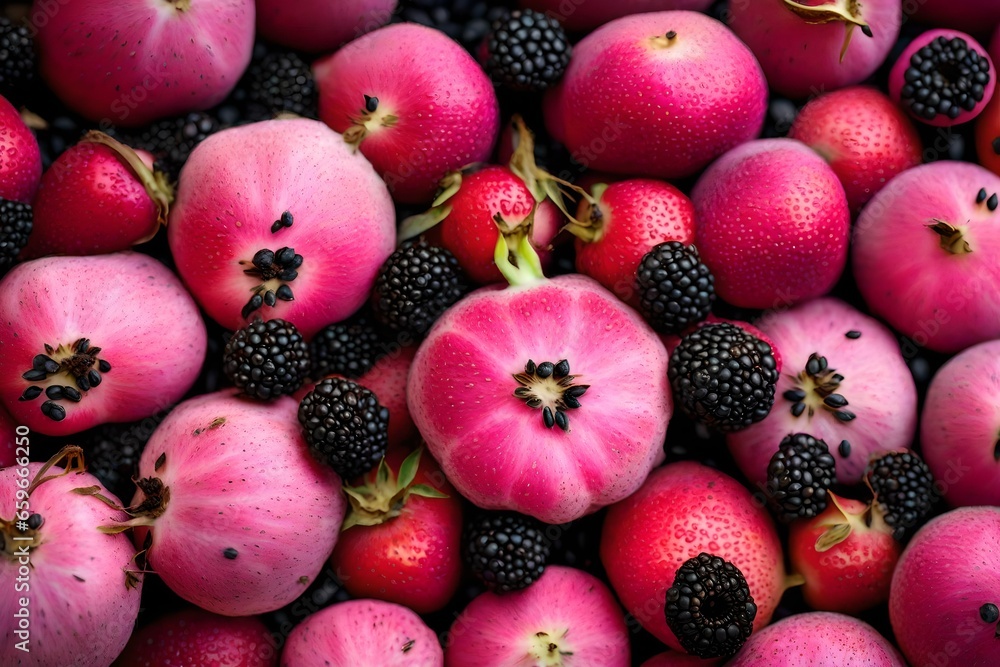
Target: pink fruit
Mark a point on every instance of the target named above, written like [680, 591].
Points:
[236, 190]
[413, 101]
[772, 224]
[678, 659]
[988, 131]
[238, 474]
[108, 338]
[681, 510]
[818, 639]
[68, 584]
[320, 25]
[362, 632]
[168, 56]
[971, 15]
[959, 426]
[708, 95]
[866, 139]
[567, 617]
[9, 436]
[926, 255]
[823, 355]
[946, 589]
[583, 15]
[20, 160]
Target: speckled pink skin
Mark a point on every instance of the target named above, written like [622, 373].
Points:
[772, 224]
[20, 159]
[239, 181]
[362, 632]
[578, 15]
[877, 384]
[249, 483]
[949, 569]
[959, 425]
[631, 103]
[168, 56]
[973, 16]
[320, 25]
[81, 612]
[942, 301]
[802, 59]
[129, 305]
[447, 110]
[574, 609]
[818, 639]
[496, 450]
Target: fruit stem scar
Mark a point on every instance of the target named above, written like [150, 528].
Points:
[952, 238]
[846, 11]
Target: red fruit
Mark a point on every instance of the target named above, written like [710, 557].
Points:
[20, 160]
[401, 540]
[847, 556]
[864, 136]
[197, 637]
[8, 439]
[988, 134]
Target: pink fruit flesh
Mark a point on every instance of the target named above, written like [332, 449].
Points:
[320, 25]
[20, 159]
[580, 15]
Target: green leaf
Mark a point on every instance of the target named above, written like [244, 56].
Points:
[384, 473]
[415, 225]
[425, 491]
[408, 469]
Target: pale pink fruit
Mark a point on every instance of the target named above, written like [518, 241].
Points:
[567, 618]
[867, 371]
[238, 475]
[20, 159]
[946, 590]
[926, 255]
[106, 338]
[970, 15]
[818, 639]
[814, 47]
[959, 426]
[659, 94]
[237, 187]
[362, 632]
[413, 101]
[772, 224]
[578, 15]
[320, 25]
[167, 56]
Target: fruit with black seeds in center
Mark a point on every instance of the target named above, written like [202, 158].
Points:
[527, 50]
[676, 289]
[506, 551]
[904, 489]
[267, 359]
[349, 348]
[798, 477]
[15, 226]
[17, 60]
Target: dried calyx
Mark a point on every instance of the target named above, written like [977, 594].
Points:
[847, 12]
[549, 387]
[371, 117]
[817, 387]
[64, 374]
[382, 497]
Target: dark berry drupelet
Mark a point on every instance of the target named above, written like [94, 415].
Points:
[171, 140]
[709, 607]
[17, 61]
[349, 348]
[675, 288]
[466, 21]
[903, 487]
[281, 81]
[112, 453]
[415, 285]
[527, 50]
[15, 227]
[345, 426]
[266, 359]
[798, 477]
[506, 551]
[723, 376]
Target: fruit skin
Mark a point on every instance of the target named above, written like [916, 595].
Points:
[988, 126]
[8, 439]
[767, 194]
[959, 425]
[712, 95]
[362, 632]
[584, 15]
[681, 510]
[678, 659]
[344, 221]
[319, 26]
[447, 114]
[20, 159]
[947, 571]
[818, 639]
[145, 322]
[971, 16]
[940, 300]
[208, 42]
[197, 637]
[575, 609]
[465, 408]
[864, 136]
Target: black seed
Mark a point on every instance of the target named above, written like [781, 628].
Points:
[269, 298]
[263, 259]
[798, 409]
[284, 293]
[547, 417]
[529, 367]
[35, 521]
[83, 383]
[103, 366]
[981, 195]
[33, 392]
[844, 415]
[371, 104]
[34, 375]
[53, 411]
[82, 345]
[38, 363]
[853, 334]
[837, 378]
[562, 420]
[561, 369]
[835, 401]
[276, 225]
[992, 202]
[94, 377]
[54, 392]
[813, 365]
[570, 402]
[287, 219]
[794, 395]
[160, 460]
[576, 391]
[989, 612]
[844, 448]
[255, 302]
[545, 369]
[867, 30]
[71, 394]
[230, 553]
[284, 255]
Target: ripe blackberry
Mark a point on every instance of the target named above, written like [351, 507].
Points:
[527, 50]
[723, 376]
[17, 60]
[675, 288]
[798, 477]
[345, 426]
[505, 550]
[281, 81]
[171, 140]
[415, 285]
[709, 607]
[465, 21]
[112, 452]
[266, 359]
[349, 348]
[903, 487]
[15, 225]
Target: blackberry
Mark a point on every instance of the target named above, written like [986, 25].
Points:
[171, 140]
[675, 288]
[17, 60]
[282, 81]
[349, 348]
[465, 21]
[527, 50]
[903, 487]
[345, 426]
[723, 376]
[506, 551]
[112, 453]
[266, 359]
[415, 285]
[709, 607]
[798, 477]
[16, 220]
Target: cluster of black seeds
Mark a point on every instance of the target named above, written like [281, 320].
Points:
[505, 550]
[675, 287]
[945, 77]
[904, 489]
[266, 359]
[798, 477]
